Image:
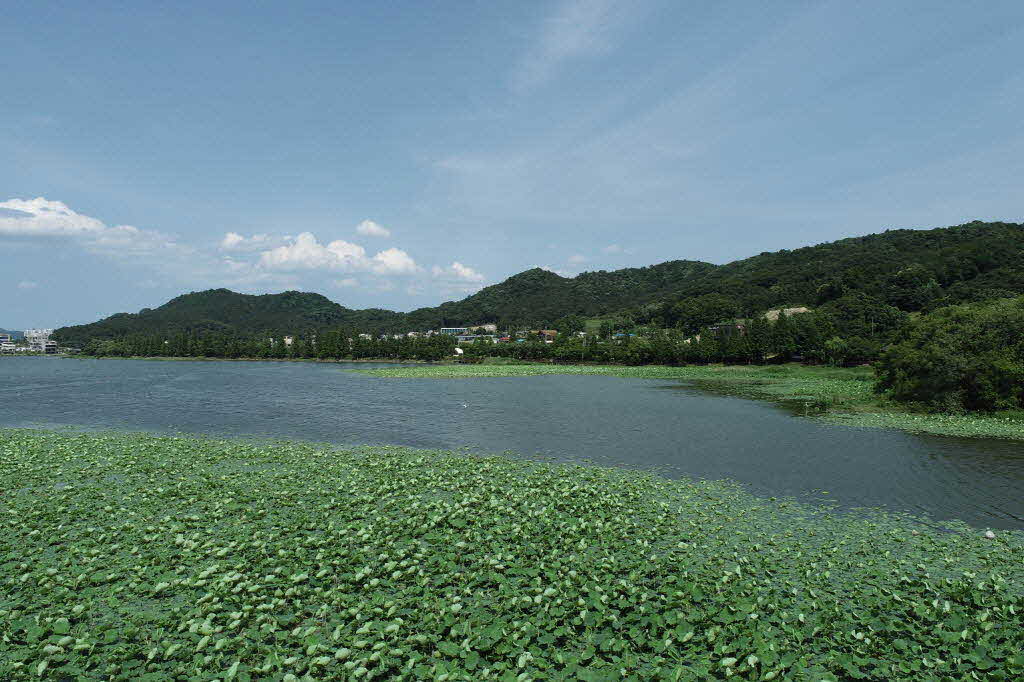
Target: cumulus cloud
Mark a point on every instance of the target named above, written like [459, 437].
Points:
[368, 228]
[41, 218]
[233, 241]
[577, 258]
[457, 272]
[26, 284]
[306, 253]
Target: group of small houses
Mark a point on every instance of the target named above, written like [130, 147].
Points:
[482, 332]
[37, 341]
[489, 332]
[725, 329]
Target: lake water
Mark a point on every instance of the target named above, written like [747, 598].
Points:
[626, 422]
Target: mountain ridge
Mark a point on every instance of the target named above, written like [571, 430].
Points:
[911, 270]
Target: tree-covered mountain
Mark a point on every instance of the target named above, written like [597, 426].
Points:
[864, 282]
[16, 335]
[221, 310]
[911, 270]
[535, 296]
[538, 297]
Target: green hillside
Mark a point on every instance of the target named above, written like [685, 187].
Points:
[538, 297]
[221, 310]
[910, 270]
[857, 279]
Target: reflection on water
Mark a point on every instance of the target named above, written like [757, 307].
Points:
[624, 422]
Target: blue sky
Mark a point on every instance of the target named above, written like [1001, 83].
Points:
[401, 154]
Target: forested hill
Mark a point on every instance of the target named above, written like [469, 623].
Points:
[538, 297]
[533, 297]
[909, 270]
[221, 310]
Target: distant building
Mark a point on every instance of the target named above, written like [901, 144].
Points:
[44, 346]
[773, 315]
[37, 335]
[727, 329]
[486, 328]
[5, 338]
[7, 347]
[454, 331]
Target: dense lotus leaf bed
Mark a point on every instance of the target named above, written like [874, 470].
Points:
[136, 557]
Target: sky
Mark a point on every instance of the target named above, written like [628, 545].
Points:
[400, 154]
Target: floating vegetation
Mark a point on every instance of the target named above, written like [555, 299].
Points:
[962, 426]
[839, 395]
[137, 557]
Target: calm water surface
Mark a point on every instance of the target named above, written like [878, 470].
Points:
[626, 422]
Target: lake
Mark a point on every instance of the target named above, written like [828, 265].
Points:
[651, 424]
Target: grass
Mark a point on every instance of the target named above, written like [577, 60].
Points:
[137, 557]
[841, 395]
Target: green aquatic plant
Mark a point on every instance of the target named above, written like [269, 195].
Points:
[138, 557]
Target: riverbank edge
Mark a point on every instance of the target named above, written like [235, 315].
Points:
[809, 392]
[204, 358]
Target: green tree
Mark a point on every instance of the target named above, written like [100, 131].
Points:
[960, 358]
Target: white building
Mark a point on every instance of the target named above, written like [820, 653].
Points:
[39, 341]
[37, 335]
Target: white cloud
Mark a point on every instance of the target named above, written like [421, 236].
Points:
[577, 258]
[41, 218]
[368, 228]
[393, 262]
[231, 240]
[612, 248]
[235, 242]
[25, 284]
[306, 253]
[346, 282]
[576, 29]
[457, 272]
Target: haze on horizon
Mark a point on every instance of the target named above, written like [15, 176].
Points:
[401, 154]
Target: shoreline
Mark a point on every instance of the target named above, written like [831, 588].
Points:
[204, 358]
[840, 396]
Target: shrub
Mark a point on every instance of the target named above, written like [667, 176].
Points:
[960, 358]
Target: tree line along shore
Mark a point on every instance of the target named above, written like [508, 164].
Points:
[964, 361]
